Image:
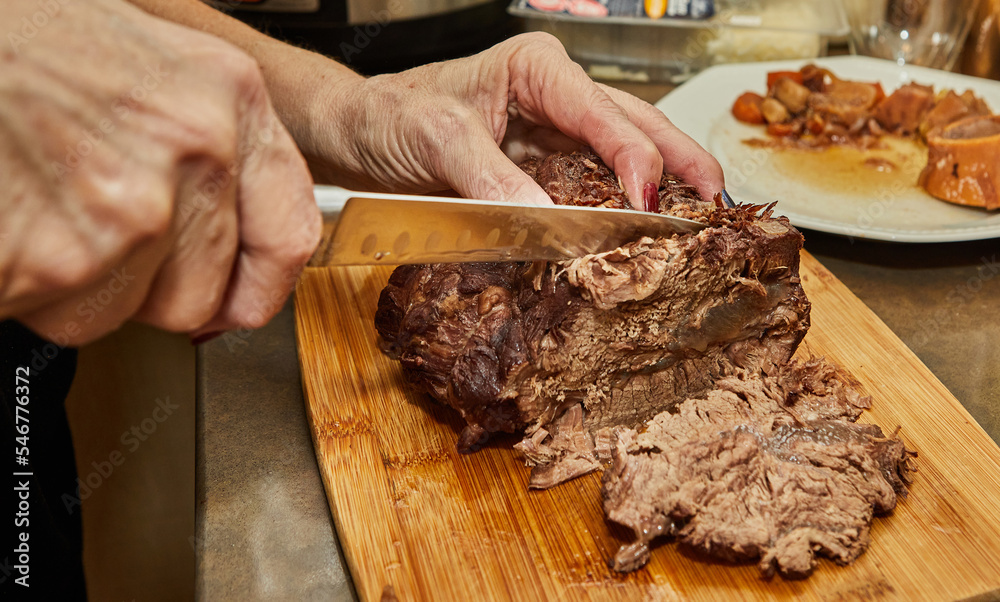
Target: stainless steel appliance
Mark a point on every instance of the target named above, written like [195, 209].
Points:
[379, 36]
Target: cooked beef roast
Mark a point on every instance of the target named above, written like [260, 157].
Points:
[670, 360]
[769, 466]
[563, 350]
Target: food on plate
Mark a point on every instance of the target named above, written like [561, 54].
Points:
[766, 466]
[813, 109]
[593, 359]
[962, 162]
[564, 350]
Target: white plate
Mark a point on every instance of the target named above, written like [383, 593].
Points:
[821, 194]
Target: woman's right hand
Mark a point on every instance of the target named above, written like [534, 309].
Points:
[145, 175]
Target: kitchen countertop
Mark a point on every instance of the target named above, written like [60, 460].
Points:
[264, 530]
[263, 527]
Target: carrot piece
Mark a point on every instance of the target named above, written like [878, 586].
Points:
[795, 76]
[782, 129]
[747, 108]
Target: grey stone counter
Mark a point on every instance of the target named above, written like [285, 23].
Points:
[264, 529]
[942, 300]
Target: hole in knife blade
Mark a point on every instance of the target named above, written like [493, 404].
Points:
[493, 237]
[433, 241]
[368, 244]
[402, 242]
[592, 240]
[548, 238]
[520, 238]
[463, 240]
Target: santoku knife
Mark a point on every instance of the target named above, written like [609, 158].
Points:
[365, 228]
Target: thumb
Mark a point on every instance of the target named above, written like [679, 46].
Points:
[478, 169]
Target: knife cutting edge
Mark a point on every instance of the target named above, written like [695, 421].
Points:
[365, 228]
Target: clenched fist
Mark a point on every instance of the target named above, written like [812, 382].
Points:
[145, 175]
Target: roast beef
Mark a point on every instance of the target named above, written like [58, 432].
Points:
[667, 361]
[767, 466]
[565, 351]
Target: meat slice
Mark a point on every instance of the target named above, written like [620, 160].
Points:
[567, 350]
[902, 111]
[844, 103]
[766, 466]
[774, 111]
[951, 108]
[579, 179]
[791, 94]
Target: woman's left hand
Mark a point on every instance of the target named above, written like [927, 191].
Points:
[448, 125]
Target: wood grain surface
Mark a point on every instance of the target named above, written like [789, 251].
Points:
[413, 514]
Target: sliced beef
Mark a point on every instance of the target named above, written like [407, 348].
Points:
[844, 103]
[951, 108]
[579, 179]
[583, 180]
[769, 465]
[667, 361]
[791, 94]
[902, 111]
[565, 351]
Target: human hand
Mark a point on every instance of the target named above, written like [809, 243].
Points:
[145, 176]
[448, 125]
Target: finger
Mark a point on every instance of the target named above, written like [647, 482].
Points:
[77, 309]
[486, 173]
[71, 264]
[523, 140]
[108, 207]
[190, 285]
[102, 306]
[682, 156]
[552, 90]
[279, 226]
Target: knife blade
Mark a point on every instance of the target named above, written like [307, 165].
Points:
[366, 228]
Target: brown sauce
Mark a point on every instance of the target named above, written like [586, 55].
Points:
[895, 165]
[880, 164]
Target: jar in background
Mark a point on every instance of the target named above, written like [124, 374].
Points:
[981, 56]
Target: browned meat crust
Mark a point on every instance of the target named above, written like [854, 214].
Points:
[622, 335]
[668, 359]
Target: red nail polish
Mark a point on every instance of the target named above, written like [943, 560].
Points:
[650, 199]
[208, 336]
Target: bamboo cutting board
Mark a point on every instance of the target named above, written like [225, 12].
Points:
[413, 514]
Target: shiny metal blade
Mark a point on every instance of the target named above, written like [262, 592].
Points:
[374, 228]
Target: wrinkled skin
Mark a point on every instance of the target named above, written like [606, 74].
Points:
[453, 123]
[193, 210]
[145, 175]
[457, 124]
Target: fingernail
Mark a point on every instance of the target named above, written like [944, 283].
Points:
[208, 336]
[650, 200]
